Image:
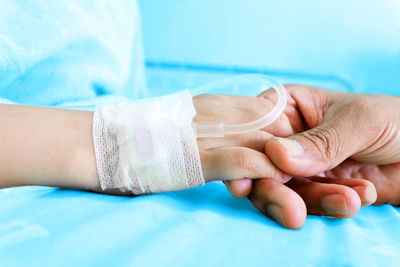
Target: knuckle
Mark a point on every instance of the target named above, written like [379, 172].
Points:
[263, 104]
[261, 136]
[326, 141]
[283, 126]
[365, 113]
[362, 104]
[365, 109]
[246, 160]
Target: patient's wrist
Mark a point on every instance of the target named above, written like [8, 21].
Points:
[81, 164]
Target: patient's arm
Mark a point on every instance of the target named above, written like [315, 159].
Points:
[46, 146]
[54, 147]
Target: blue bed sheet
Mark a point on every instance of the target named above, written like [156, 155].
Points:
[204, 226]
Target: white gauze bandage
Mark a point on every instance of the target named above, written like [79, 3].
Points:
[147, 146]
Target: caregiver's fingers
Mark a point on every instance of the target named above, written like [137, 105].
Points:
[334, 200]
[365, 189]
[239, 188]
[229, 163]
[279, 202]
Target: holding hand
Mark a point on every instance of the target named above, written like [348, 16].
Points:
[337, 136]
[239, 157]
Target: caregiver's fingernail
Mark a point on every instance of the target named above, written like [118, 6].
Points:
[367, 194]
[286, 178]
[370, 194]
[276, 212]
[335, 204]
[292, 146]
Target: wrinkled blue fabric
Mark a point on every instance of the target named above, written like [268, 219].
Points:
[204, 226]
[57, 51]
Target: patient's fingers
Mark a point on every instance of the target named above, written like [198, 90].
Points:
[232, 109]
[231, 163]
[279, 202]
[327, 199]
[291, 111]
[281, 127]
[239, 188]
[255, 140]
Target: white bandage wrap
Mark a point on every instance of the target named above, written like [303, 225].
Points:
[147, 146]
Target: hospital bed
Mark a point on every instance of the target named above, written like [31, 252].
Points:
[206, 226]
[203, 226]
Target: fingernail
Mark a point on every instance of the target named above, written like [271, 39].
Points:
[286, 177]
[335, 204]
[292, 146]
[276, 212]
[367, 193]
[370, 194]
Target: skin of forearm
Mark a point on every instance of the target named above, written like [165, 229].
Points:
[46, 146]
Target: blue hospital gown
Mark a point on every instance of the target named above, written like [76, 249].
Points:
[61, 51]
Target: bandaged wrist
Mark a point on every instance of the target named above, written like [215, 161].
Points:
[147, 146]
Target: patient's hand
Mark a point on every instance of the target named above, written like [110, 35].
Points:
[237, 156]
[337, 136]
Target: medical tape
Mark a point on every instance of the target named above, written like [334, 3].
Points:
[147, 146]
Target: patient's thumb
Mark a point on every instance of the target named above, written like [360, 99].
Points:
[311, 152]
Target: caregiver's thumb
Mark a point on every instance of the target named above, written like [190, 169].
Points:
[365, 128]
[314, 151]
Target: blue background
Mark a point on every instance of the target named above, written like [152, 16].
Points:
[343, 45]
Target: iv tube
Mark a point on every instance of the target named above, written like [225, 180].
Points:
[220, 129]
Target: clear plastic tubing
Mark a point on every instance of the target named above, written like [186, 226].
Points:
[220, 129]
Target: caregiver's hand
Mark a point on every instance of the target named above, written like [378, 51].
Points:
[239, 156]
[338, 136]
